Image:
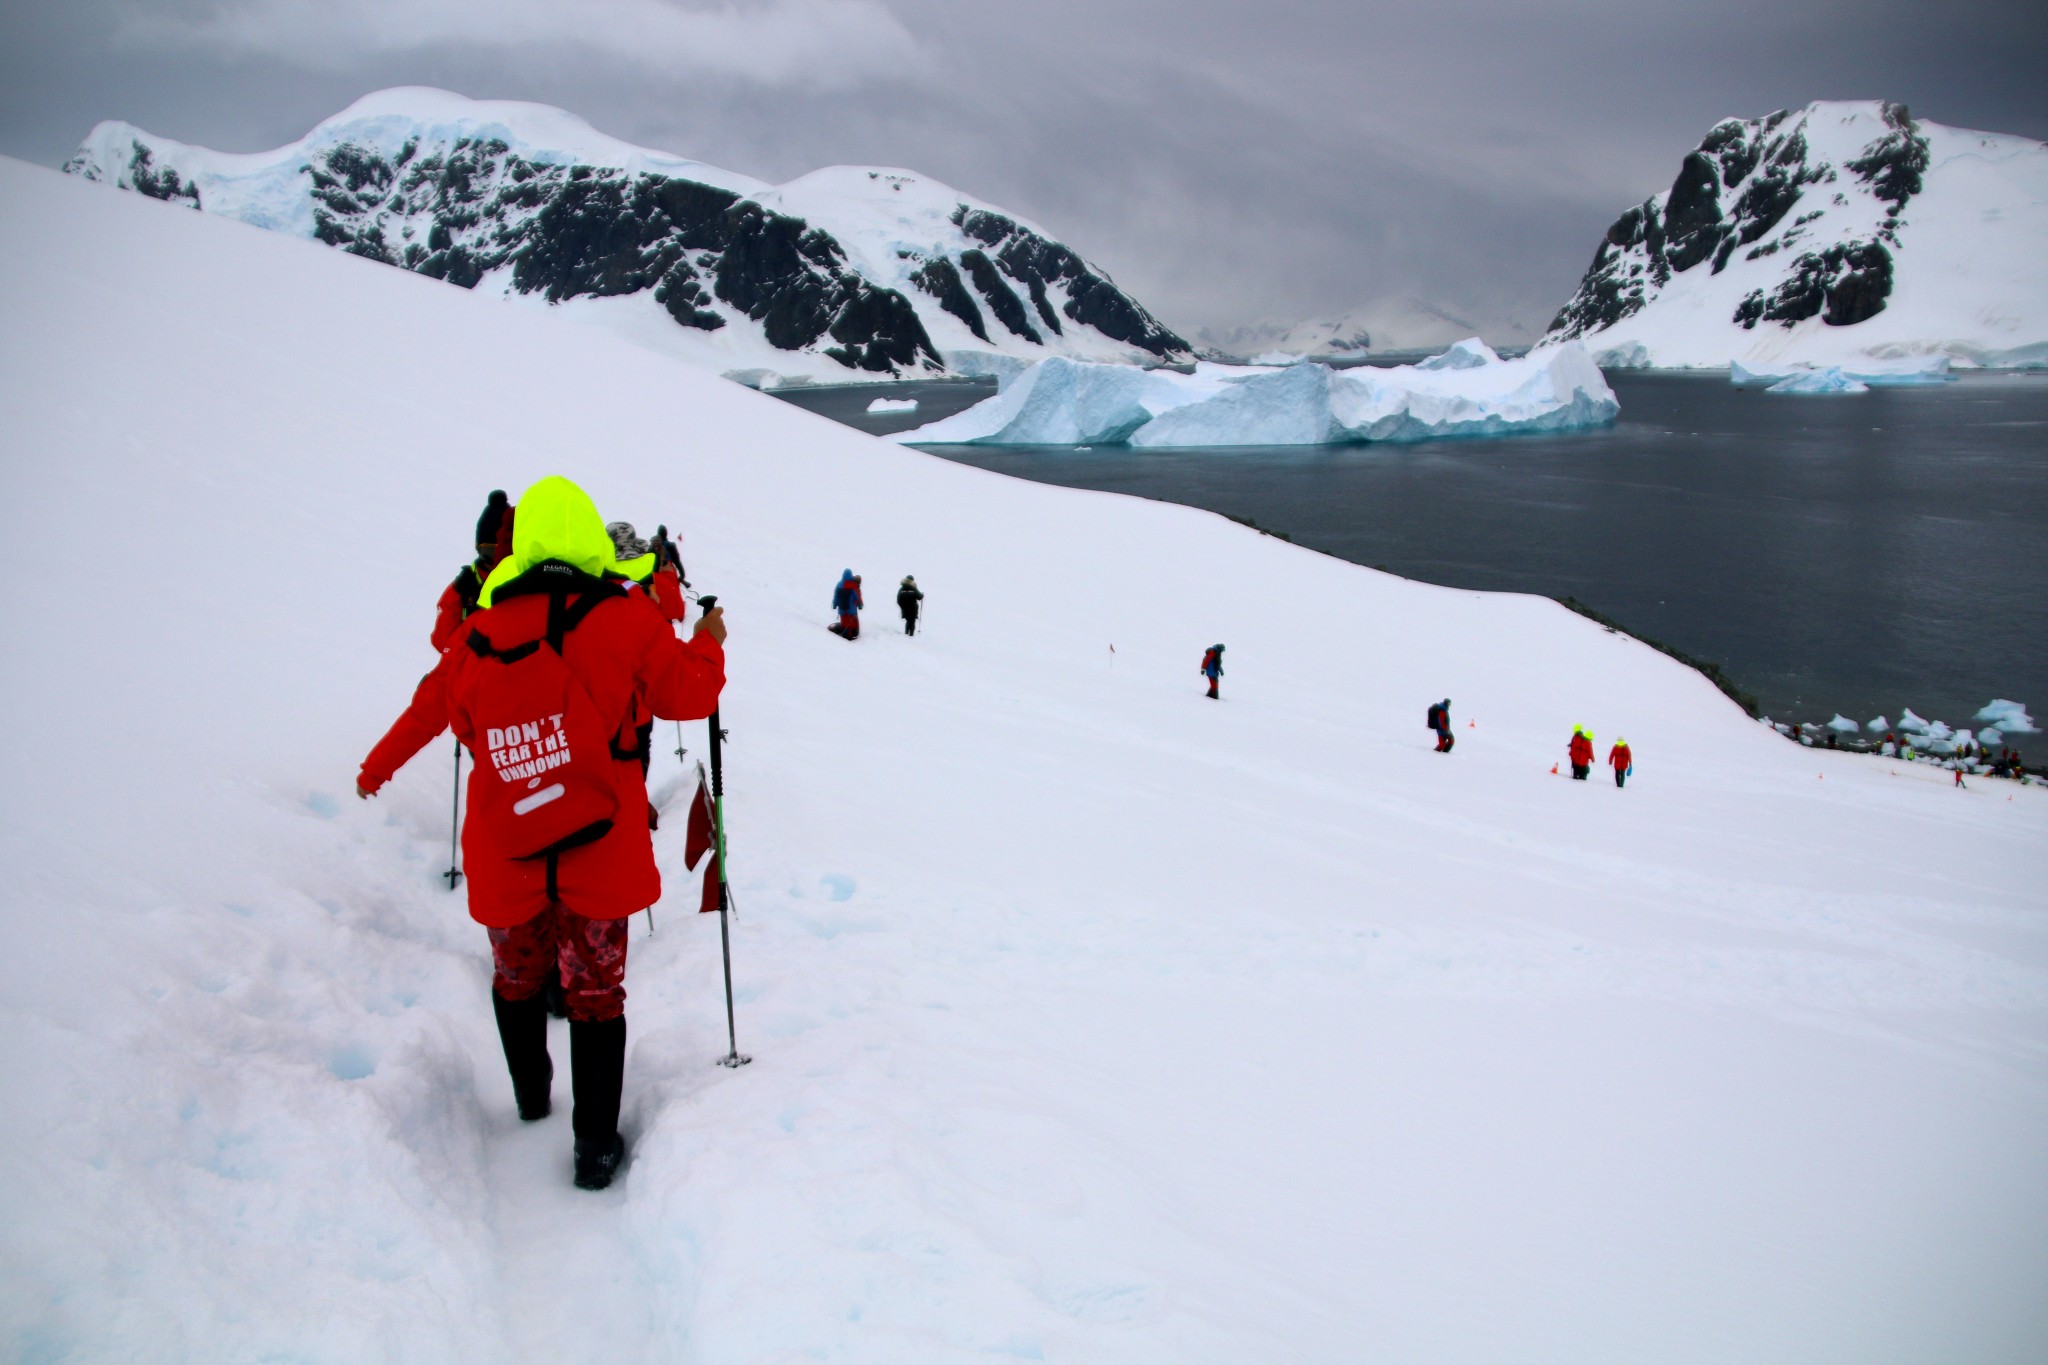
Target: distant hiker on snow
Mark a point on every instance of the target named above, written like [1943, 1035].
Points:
[846, 602]
[907, 598]
[1581, 752]
[1621, 760]
[1212, 669]
[1440, 721]
[458, 599]
[669, 579]
[539, 684]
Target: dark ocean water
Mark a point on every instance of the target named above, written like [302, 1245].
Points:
[1860, 553]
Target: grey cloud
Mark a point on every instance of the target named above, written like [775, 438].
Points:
[1225, 161]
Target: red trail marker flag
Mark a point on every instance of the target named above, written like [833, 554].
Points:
[699, 841]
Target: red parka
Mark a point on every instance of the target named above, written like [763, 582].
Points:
[1581, 750]
[622, 651]
[1619, 758]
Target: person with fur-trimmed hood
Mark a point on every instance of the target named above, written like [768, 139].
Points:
[907, 598]
[538, 682]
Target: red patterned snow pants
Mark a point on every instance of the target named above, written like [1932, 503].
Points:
[592, 954]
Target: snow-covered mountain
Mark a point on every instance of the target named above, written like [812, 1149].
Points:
[1399, 322]
[1845, 232]
[848, 272]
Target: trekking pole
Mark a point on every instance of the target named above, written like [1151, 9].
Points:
[454, 874]
[679, 739]
[732, 1057]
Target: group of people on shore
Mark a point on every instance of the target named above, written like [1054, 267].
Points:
[557, 652]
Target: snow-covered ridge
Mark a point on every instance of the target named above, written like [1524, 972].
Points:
[1844, 233]
[1395, 323]
[844, 271]
[1466, 391]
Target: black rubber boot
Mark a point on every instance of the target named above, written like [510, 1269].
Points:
[523, 1029]
[558, 1002]
[597, 1060]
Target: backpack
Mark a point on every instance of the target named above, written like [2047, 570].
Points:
[538, 733]
[1429, 721]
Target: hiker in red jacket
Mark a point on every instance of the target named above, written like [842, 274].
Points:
[458, 599]
[1621, 760]
[1581, 752]
[538, 684]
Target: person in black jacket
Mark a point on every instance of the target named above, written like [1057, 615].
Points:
[907, 598]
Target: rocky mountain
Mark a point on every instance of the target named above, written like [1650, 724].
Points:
[1843, 232]
[848, 272]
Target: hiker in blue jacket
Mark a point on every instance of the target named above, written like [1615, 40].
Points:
[846, 601]
[1212, 669]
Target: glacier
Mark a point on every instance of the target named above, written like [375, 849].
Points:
[1465, 391]
[1906, 372]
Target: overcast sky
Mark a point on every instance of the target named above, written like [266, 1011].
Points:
[1225, 160]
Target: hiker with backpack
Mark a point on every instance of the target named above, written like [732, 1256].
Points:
[667, 581]
[846, 602]
[1621, 760]
[1581, 752]
[1212, 669]
[537, 684]
[907, 598]
[1439, 720]
[459, 598]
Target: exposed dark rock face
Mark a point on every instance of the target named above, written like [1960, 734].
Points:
[941, 280]
[143, 176]
[1041, 266]
[1850, 281]
[1735, 191]
[1002, 300]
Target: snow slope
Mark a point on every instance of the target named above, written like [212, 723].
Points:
[1466, 391]
[846, 273]
[1398, 322]
[1841, 234]
[1091, 1020]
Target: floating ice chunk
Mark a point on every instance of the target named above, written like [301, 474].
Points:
[1063, 402]
[1829, 380]
[1275, 358]
[1990, 738]
[1842, 725]
[1936, 730]
[1878, 725]
[893, 405]
[2010, 717]
[1289, 407]
[995, 365]
[1874, 373]
[1911, 723]
[1469, 354]
[1069, 402]
[1630, 355]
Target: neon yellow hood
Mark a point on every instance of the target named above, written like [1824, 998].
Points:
[555, 520]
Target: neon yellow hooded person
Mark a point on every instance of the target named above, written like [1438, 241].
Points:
[554, 520]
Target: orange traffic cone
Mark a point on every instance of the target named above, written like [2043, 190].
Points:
[1553, 770]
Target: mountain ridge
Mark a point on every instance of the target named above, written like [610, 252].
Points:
[843, 272]
[1846, 230]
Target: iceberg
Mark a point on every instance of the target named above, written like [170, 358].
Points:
[1903, 372]
[1829, 380]
[1468, 354]
[2010, 717]
[1878, 725]
[893, 405]
[1842, 725]
[1069, 402]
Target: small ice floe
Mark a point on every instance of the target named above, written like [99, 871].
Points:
[1829, 380]
[893, 405]
[2010, 717]
[1842, 725]
[1878, 725]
